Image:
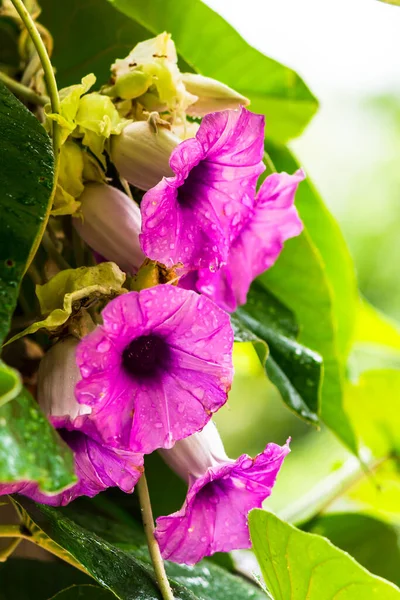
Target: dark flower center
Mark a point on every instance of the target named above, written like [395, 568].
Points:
[187, 192]
[145, 355]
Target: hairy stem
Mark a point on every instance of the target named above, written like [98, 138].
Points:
[22, 91]
[155, 554]
[52, 90]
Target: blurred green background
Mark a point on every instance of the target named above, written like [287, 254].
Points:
[351, 150]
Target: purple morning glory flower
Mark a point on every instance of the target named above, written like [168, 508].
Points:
[157, 368]
[191, 218]
[97, 467]
[272, 221]
[221, 494]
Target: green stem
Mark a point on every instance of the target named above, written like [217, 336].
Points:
[268, 163]
[52, 90]
[7, 552]
[11, 531]
[53, 253]
[34, 274]
[20, 533]
[22, 91]
[155, 554]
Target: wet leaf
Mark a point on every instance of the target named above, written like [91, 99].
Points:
[26, 175]
[30, 449]
[305, 566]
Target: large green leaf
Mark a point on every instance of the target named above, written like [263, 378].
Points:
[305, 566]
[220, 52]
[26, 579]
[126, 571]
[372, 542]
[26, 176]
[299, 280]
[84, 592]
[325, 233]
[30, 449]
[294, 369]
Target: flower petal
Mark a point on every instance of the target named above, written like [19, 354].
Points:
[274, 220]
[143, 413]
[97, 467]
[214, 516]
[191, 218]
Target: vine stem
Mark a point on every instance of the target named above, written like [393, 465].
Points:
[154, 549]
[52, 90]
[23, 91]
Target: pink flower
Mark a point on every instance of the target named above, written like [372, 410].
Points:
[191, 218]
[272, 221]
[221, 494]
[97, 468]
[156, 370]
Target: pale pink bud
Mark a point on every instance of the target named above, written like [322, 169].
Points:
[110, 224]
[141, 153]
[57, 376]
[212, 95]
[191, 457]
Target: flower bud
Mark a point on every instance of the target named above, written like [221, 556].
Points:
[212, 95]
[141, 153]
[191, 457]
[110, 225]
[57, 376]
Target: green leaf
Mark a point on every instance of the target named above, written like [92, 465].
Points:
[27, 579]
[376, 341]
[305, 566]
[30, 449]
[220, 52]
[26, 175]
[325, 234]
[84, 592]
[299, 281]
[294, 369]
[372, 542]
[68, 290]
[127, 572]
[243, 335]
[374, 405]
[10, 383]
[104, 34]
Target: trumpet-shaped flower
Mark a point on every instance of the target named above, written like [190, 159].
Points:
[272, 221]
[221, 494]
[157, 368]
[193, 217]
[97, 466]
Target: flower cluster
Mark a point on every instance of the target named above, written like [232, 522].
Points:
[156, 361]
